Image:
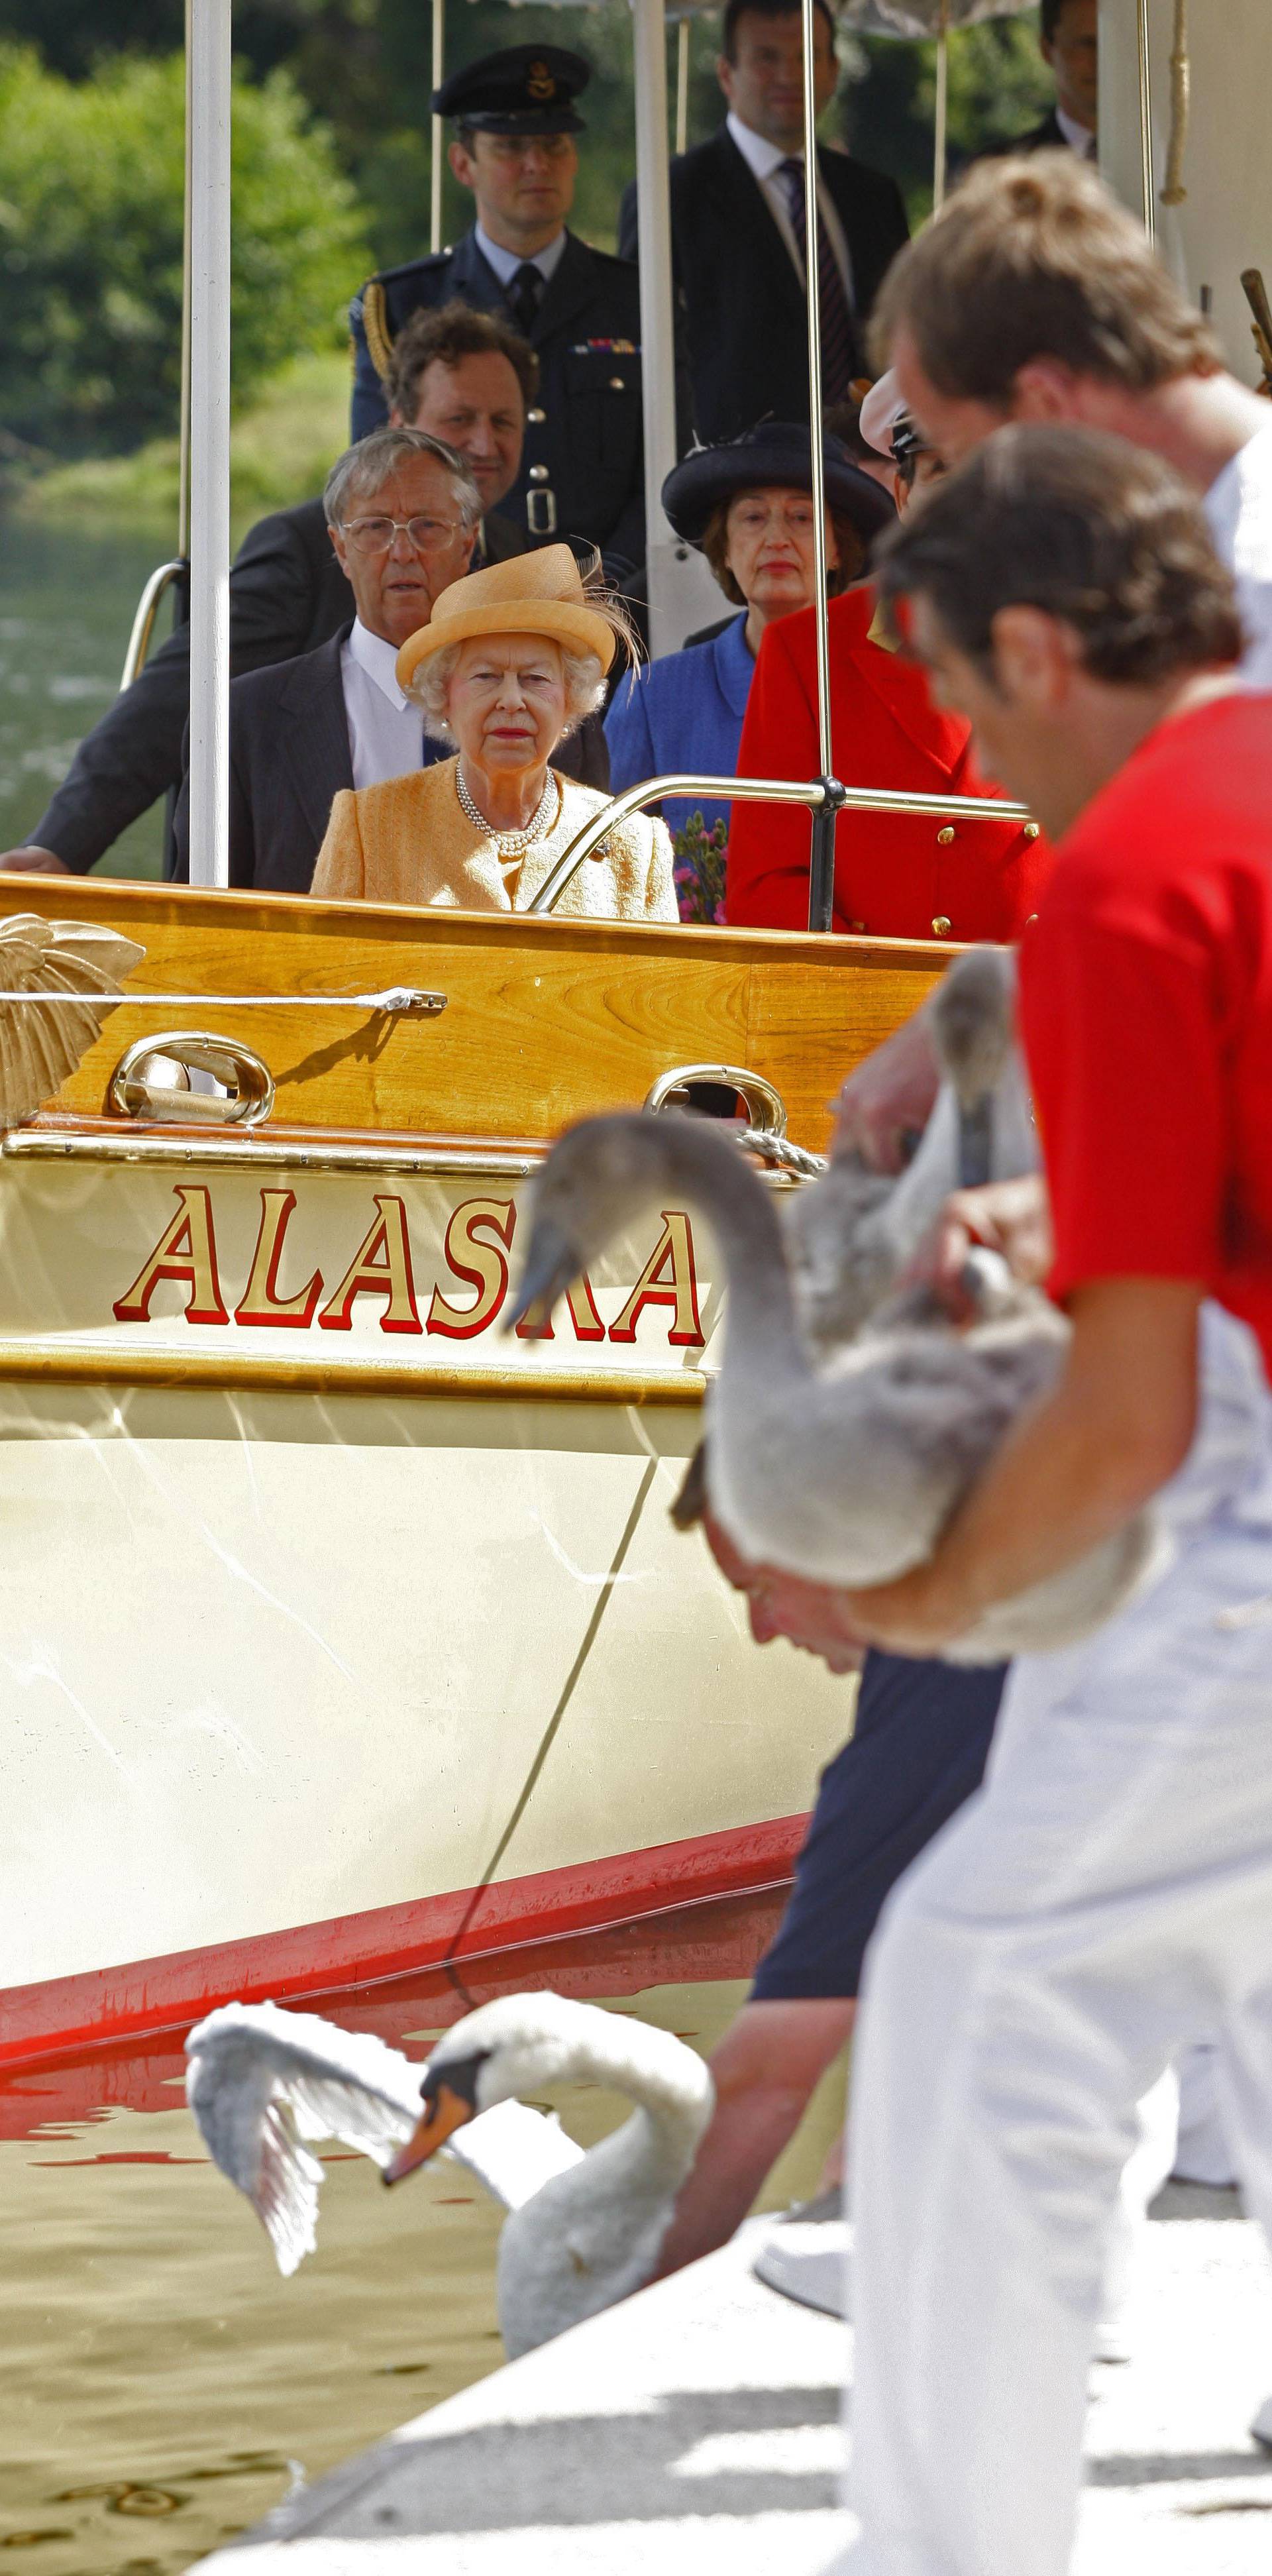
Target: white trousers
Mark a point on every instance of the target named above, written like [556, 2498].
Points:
[1103, 1901]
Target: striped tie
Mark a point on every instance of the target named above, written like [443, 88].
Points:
[838, 339]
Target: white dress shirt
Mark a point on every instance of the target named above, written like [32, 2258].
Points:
[506, 263]
[1079, 138]
[1238, 507]
[764, 160]
[386, 731]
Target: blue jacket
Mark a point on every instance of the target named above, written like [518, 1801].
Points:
[683, 712]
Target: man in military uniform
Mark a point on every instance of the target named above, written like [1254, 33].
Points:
[582, 471]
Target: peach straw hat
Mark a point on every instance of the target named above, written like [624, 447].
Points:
[534, 594]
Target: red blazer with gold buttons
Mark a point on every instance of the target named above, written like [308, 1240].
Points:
[897, 876]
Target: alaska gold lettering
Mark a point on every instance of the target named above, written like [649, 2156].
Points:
[381, 1267]
[583, 1315]
[186, 1252]
[481, 1264]
[261, 1303]
[659, 1285]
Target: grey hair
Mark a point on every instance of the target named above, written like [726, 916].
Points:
[365, 466]
[430, 686]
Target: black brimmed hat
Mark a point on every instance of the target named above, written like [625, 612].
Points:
[777, 452]
[525, 89]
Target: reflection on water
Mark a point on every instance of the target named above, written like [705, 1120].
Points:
[66, 607]
[164, 2385]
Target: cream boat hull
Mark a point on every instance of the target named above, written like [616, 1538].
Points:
[305, 1681]
[343, 1632]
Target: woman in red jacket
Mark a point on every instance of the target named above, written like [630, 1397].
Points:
[897, 876]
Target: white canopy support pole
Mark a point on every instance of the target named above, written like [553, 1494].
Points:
[438, 146]
[822, 867]
[1149, 206]
[940, 153]
[682, 85]
[658, 372]
[208, 145]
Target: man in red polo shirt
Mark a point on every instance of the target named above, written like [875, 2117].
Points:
[1108, 1897]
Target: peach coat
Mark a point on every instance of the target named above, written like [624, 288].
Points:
[409, 840]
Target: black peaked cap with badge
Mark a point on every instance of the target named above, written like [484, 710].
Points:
[526, 89]
[582, 472]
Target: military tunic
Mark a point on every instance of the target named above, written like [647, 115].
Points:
[582, 470]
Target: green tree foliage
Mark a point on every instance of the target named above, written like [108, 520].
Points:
[90, 151]
[91, 194]
[998, 87]
[365, 68]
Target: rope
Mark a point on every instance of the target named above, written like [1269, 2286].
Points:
[399, 1001]
[779, 1150]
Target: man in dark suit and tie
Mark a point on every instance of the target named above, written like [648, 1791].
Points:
[515, 123]
[738, 232]
[468, 379]
[1069, 41]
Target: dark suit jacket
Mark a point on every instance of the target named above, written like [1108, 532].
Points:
[289, 755]
[586, 428]
[742, 307]
[1046, 137]
[287, 595]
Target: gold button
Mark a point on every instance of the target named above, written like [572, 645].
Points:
[1032, 831]
[618, 384]
[941, 925]
[537, 417]
[1030, 917]
[856, 925]
[946, 834]
[538, 473]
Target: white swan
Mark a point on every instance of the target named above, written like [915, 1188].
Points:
[846, 1473]
[851, 1235]
[582, 2231]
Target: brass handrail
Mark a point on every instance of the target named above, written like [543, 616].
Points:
[143, 625]
[773, 791]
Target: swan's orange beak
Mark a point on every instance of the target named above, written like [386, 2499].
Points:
[446, 2112]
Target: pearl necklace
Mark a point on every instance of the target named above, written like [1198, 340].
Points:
[511, 845]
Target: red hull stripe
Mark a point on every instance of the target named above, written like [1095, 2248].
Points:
[357, 1949]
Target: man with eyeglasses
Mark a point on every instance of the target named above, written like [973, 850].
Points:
[402, 510]
[468, 379]
[514, 148]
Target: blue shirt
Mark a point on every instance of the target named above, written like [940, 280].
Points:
[683, 712]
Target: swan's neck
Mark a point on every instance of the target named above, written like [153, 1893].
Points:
[669, 2088]
[762, 1342]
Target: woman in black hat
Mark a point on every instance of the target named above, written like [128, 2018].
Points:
[748, 506]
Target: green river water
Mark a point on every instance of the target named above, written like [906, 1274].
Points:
[66, 606]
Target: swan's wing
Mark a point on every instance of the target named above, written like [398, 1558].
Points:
[41, 1043]
[513, 2151]
[260, 2081]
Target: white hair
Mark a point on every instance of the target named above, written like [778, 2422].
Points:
[364, 467]
[582, 674]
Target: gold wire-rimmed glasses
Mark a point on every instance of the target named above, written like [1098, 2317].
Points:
[375, 535]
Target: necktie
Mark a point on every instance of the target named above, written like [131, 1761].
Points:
[525, 294]
[838, 339]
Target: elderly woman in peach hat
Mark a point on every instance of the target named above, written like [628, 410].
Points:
[512, 658]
